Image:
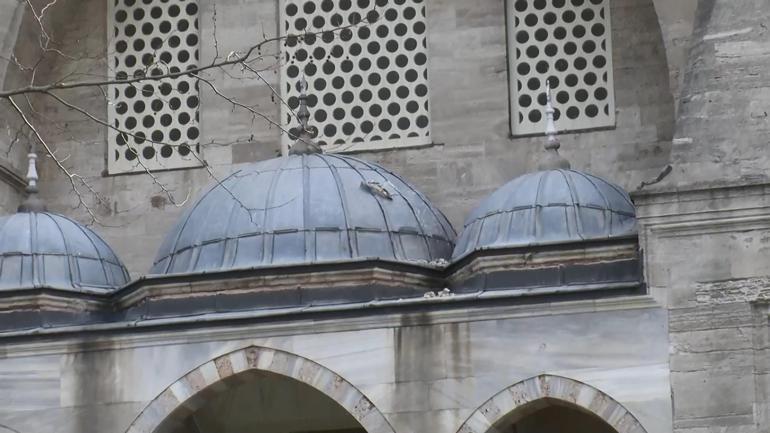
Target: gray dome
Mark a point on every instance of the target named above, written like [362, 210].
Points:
[46, 250]
[551, 206]
[305, 209]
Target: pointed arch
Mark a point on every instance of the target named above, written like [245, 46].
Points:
[191, 391]
[527, 396]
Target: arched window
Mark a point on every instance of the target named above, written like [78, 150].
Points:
[154, 125]
[569, 43]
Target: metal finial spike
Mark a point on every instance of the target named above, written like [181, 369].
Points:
[32, 176]
[304, 143]
[550, 126]
[303, 114]
[32, 203]
[552, 159]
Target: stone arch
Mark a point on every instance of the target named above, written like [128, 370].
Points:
[191, 391]
[525, 397]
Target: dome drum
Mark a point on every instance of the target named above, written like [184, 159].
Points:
[290, 288]
[54, 272]
[610, 265]
[552, 231]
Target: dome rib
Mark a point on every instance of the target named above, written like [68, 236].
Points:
[330, 215]
[562, 209]
[344, 202]
[575, 202]
[601, 194]
[388, 224]
[444, 222]
[186, 218]
[96, 251]
[417, 221]
[385, 218]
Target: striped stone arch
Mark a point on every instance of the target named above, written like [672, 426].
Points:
[192, 391]
[523, 398]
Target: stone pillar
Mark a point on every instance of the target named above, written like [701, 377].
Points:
[723, 126]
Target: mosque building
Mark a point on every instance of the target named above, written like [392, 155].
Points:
[499, 216]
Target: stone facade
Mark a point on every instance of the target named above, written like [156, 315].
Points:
[472, 154]
[692, 94]
[395, 366]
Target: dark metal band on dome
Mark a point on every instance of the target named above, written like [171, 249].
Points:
[304, 144]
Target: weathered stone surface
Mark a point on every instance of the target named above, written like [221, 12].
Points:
[366, 369]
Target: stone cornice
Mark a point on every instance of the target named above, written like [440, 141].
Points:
[236, 326]
[710, 189]
[277, 282]
[340, 289]
[48, 301]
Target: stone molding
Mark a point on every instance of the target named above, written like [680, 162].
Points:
[191, 391]
[58, 341]
[523, 398]
[53, 301]
[275, 280]
[546, 257]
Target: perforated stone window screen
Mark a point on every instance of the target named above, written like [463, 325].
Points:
[567, 42]
[158, 121]
[365, 62]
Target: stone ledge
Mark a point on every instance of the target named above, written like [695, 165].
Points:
[56, 340]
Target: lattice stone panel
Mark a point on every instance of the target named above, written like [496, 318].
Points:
[158, 120]
[368, 83]
[569, 43]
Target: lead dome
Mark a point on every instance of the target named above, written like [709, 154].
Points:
[40, 249]
[553, 205]
[306, 208]
[303, 209]
[550, 206]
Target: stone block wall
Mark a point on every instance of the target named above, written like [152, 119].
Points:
[389, 371]
[473, 153]
[706, 256]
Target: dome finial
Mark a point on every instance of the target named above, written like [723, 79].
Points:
[304, 143]
[552, 159]
[32, 203]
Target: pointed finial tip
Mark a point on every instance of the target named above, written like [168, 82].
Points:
[32, 203]
[32, 176]
[304, 143]
[552, 158]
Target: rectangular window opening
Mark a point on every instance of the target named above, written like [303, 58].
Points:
[568, 43]
[366, 65]
[155, 124]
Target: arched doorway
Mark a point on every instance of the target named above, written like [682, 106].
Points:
[551, 404]
[259, 389]
[552, 417]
